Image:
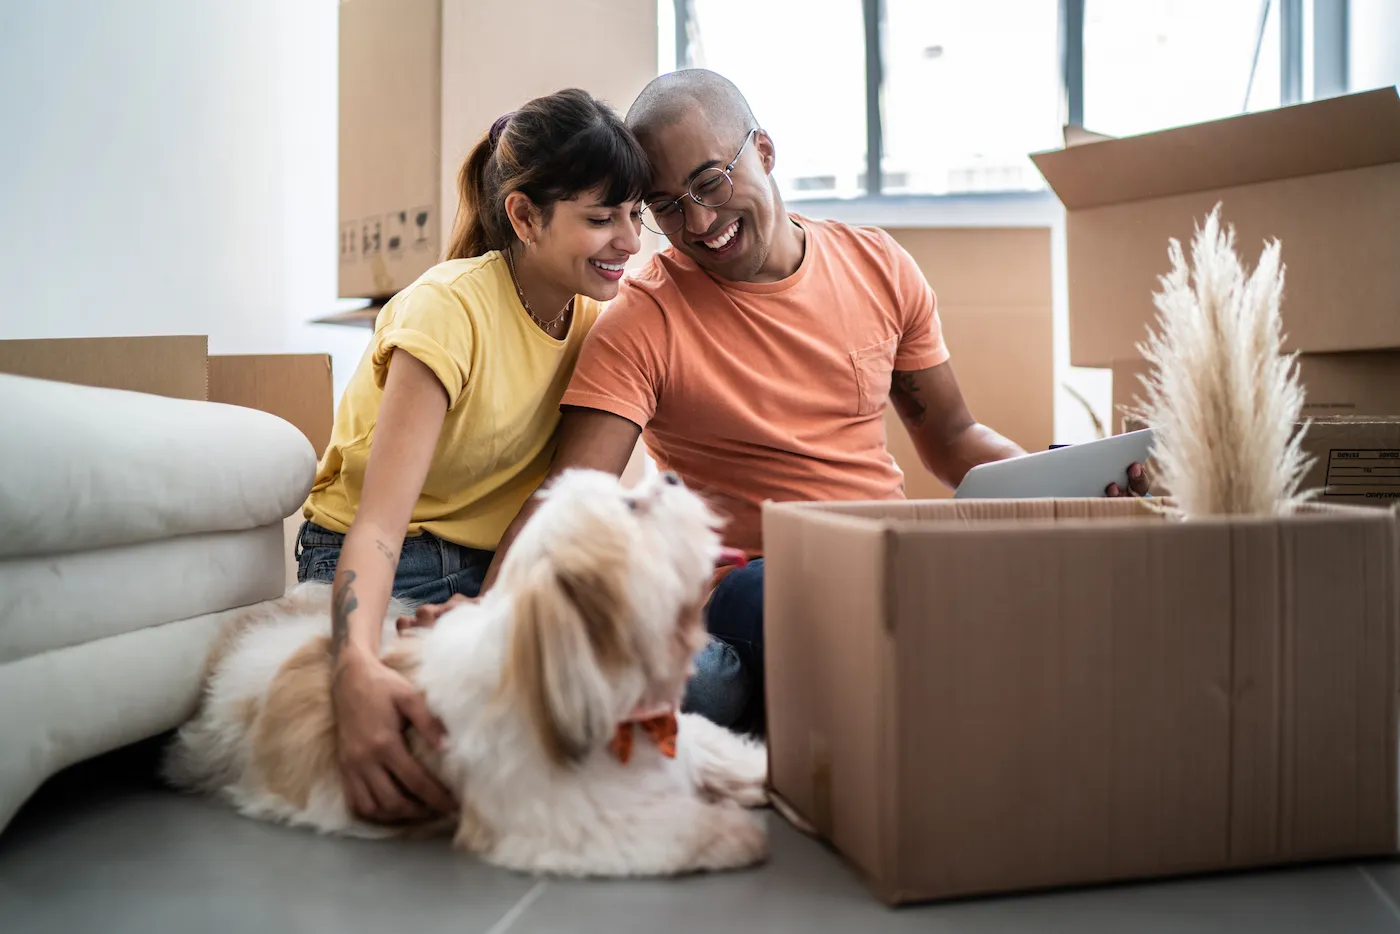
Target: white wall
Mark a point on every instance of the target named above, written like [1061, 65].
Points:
[168, 166]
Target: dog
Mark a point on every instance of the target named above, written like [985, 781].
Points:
[597, 613]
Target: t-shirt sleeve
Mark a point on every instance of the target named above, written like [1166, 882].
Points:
[621, 364]
[430, 323]
[921, 332]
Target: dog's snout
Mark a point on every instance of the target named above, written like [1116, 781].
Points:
[670, 478]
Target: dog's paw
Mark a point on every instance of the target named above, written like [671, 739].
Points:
[741, 777]
[736, 839]
[750, 795]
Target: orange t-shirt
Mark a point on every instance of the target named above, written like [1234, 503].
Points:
[757, 391]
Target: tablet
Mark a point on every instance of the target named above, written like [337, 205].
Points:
[1069, 472]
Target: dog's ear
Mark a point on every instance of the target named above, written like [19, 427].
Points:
[568, 647]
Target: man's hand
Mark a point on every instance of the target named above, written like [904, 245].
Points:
[426, 616]
[1137, 483]
[383, 781]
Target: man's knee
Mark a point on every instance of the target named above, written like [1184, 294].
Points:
[735, 611]
[721, 688]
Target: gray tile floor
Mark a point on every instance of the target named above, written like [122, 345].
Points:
[104, 849]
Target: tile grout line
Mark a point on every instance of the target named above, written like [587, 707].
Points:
[1380, 891]
[526, 900]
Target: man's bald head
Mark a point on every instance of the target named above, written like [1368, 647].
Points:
[674, 97]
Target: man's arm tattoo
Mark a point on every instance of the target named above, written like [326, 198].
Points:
[389, 554]
[904, 395]
[343, 603]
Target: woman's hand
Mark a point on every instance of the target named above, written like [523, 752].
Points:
[373, 705]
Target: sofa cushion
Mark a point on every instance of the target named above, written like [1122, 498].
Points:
[76, 703]
[55, 601]
[83, 468]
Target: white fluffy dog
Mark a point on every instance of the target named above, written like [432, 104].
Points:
[597, 613]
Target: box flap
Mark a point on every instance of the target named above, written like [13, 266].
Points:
[294, 387]
[162, 366]
[1078, 136]
[1348, 132]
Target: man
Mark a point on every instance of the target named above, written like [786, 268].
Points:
[757, 355]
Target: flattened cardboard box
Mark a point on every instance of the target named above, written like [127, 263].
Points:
[976, 697]
[1322, 177]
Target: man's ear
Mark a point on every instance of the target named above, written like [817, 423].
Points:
[766, 151]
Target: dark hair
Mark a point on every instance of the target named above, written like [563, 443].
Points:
[553, 148]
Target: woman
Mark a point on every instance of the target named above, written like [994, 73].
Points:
[448, 424]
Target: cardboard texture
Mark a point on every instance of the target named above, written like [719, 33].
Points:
[419, 86]
[976, 697]
[294, 387]
[163, 366]
[994, 298]
[1322, 177]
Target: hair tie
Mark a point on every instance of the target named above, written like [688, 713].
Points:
[498, 127]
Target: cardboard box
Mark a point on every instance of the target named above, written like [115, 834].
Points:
[1342, 384]
[1322, 177]
[1355, 461]
[294, 387]
[1355, 455]
[980, 697]
[422, 80]
[994, 299]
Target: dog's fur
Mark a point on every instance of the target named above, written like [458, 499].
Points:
[596, 614]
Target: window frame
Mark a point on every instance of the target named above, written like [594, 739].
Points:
[1330, 28]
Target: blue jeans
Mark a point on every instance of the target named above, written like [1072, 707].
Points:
[430, 569]
[727, 686]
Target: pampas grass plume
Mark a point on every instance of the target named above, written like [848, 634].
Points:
[1222, 398]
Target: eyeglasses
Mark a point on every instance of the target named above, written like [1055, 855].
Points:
[711, 188]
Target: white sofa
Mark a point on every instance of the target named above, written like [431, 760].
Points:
[129, 523]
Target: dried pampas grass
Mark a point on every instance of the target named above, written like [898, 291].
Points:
[1222, 398]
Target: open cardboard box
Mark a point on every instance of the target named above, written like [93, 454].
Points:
[1322, 177]
[975, 697]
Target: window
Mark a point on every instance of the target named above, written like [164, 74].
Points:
[801, 65]
[970, 90]
[1153, 64]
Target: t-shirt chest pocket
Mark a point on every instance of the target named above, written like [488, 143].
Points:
[873, 367]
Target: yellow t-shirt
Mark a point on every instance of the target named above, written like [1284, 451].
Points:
[504, 378]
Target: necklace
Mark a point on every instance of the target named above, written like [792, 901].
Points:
[525, 302]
